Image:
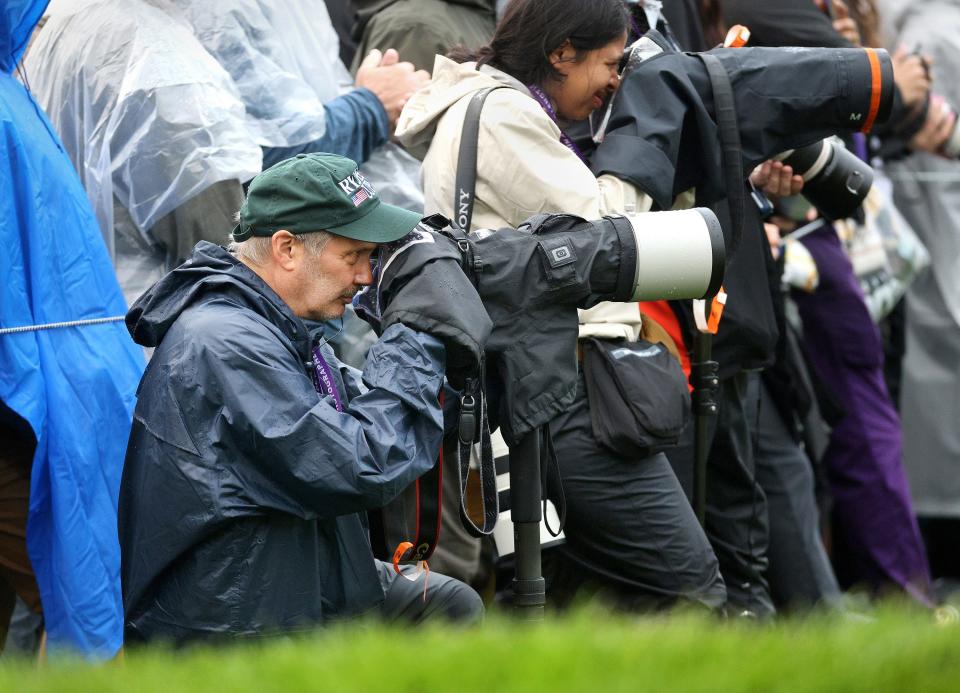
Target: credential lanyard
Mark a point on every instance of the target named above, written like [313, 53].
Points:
[323, 379]
[545, 104]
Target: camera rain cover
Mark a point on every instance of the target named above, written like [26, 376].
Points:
[418, 281]
[531, 280]
[661, 133]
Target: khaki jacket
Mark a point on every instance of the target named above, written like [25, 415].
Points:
[522, 167]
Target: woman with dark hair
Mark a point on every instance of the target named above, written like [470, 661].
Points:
[630, 530]
[559, 59]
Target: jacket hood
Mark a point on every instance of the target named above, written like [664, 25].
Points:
[451, 82]
[17, 19]
[210, 273]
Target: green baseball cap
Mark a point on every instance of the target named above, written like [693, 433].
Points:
[320, 192]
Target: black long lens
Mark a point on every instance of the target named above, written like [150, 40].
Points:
[835, 181]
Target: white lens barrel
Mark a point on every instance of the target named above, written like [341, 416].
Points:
[680, 254]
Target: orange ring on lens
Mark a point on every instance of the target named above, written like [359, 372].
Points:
[876, 86]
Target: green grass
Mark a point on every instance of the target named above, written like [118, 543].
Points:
[590, 651]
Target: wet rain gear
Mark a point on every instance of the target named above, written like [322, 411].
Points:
[241, 509]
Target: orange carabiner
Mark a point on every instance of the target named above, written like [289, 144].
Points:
[737, 37]
[402, 549]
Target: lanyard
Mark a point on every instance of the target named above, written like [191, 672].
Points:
[860, 147]
[544, 102]
[323, 380]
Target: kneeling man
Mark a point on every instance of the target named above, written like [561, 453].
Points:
[254, 452]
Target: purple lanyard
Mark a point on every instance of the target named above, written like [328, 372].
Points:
[544, 102]
[860, 147]
[323, 379]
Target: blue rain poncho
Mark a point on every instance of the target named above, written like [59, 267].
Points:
[75, 386]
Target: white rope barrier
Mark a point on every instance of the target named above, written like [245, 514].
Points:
[58, 325]
[925, 176]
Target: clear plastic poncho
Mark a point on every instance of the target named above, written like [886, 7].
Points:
[145, 113]
[283, 56]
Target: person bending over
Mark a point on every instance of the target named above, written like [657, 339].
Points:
[254, 452]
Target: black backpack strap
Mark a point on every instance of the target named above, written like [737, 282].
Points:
[730, 145]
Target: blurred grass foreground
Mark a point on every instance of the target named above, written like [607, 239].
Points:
[893, 650]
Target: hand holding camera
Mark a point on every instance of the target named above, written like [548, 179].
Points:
[939, 133]
[777, 179]
[912, 76]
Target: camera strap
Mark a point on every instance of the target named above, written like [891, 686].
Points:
[466, 181]
[729, 144]
[473, 425]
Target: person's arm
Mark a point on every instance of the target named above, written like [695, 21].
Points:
[356, 124]
[287, 449]
[784, 23]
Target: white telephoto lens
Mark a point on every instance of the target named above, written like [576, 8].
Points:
[680, 254]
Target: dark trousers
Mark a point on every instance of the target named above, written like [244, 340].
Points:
[446, 599]
[800, 574]
[736, 510]
[876, 540]
[16, 572]
[631, 532]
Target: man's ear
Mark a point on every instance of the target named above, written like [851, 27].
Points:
[563, 53]
[285, 249]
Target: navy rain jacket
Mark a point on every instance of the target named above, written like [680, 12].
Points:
[241, 505]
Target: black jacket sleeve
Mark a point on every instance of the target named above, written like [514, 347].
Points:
[784, 23]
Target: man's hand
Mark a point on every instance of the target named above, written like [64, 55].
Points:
[910, 75]
[776, 179]
[391, 80]
[936, 128]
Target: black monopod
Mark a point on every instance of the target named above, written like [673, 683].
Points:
[529, 590]
[704, 373]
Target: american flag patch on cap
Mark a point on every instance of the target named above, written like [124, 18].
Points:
[357, 188]
[359, 197]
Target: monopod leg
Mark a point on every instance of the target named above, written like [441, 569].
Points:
[529, 594]
[705, 385]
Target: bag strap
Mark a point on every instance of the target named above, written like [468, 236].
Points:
[730, 145]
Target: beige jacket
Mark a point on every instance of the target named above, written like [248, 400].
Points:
[522, 167]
